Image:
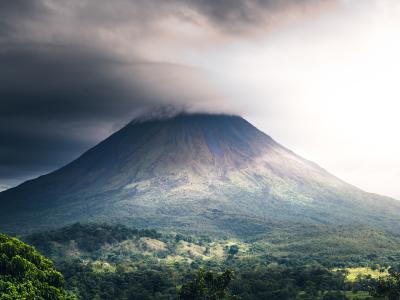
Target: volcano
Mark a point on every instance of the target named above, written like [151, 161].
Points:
[195, 172]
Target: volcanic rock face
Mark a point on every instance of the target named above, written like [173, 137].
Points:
[197, 172]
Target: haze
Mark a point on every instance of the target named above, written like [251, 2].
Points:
[320, 77]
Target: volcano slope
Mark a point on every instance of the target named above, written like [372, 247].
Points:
[192, 172]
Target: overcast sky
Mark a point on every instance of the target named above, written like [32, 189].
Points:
[320, 76]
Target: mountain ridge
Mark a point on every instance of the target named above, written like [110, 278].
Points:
[191, 172]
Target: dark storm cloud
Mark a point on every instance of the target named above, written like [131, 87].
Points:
[225, 15]
[57, 101]
[64, 83]
[238, 15]
[71, 72]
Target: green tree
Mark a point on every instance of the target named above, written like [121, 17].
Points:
[234, 249]
[25, 274]
[207, 286]
[389, 287]
[334, 295]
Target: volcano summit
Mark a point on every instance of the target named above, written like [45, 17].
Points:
[194, 172]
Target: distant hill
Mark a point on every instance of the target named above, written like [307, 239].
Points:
[192, 172]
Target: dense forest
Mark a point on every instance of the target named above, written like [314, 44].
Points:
[25, 274]
[101, 261]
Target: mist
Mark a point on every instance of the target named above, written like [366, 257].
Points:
[318, 76]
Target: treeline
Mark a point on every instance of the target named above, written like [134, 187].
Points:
[102, 261]
[148, 283]
[277, 282]
[88, 237]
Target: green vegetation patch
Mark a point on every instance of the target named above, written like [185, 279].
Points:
[101, 261]
[26, 274]
[354, 274]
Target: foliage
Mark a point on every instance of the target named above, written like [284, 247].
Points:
[387, 287]
[356, 274]
[25, 274]
[281, 282]
[116, 262]
[89, 237]
[234, 249]
[207, 286]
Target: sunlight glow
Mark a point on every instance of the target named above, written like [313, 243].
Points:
[330, 90]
